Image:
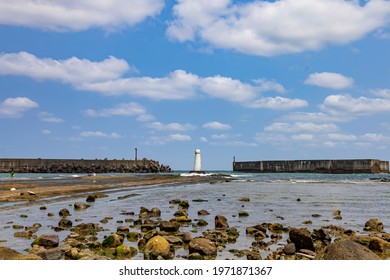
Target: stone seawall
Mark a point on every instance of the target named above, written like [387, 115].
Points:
[370, 166]
[80, 166]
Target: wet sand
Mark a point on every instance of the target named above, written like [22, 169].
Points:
[31, 190]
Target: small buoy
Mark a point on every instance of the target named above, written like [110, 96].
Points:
[13, 189]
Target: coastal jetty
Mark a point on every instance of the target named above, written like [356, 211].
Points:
[350, 166]
[39, 165]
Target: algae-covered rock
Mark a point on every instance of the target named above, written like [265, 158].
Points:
[125, 252]
[47, 241]
[112, 241]
[133, 236]
[374, 225]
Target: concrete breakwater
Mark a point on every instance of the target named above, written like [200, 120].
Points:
[40, 165]
[370, 166]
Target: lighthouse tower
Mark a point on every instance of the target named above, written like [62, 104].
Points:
[197, 162]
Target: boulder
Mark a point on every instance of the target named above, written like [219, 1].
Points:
[301, 238]
[203, 246]
[275, 227]
[91, 198]
[184, 204]
[64, 212]
[80, 206]
[133, 236]
[47, 241]
[203, 213]
[113, 241]
[122, 230]
[125, 252]
[379, 244]
[174, 240]
[186, 237]
[289, 249]
[221, 222]
[348, 250]
[374, 225]
[157, 247]
[51, 254]
[155, 212]
[321, 234]
[87, 229]
[169, 226]
[65, 223]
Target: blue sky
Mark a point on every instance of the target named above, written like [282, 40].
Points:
[258, 80]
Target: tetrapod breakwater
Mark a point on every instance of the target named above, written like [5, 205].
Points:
[39, 165]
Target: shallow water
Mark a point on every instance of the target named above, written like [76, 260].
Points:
[274, 198]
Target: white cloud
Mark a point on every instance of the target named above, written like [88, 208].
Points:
[383, 92]
[235, 143]
[228, 89]
[49, 117]
[374, 137]
[179, 137]
[74, 71]
[217, 126]
[267, 85]
[341, 137]
[329, 80]
[220, 136]
[124, 109]
[106, 77]
[303, 137]
[178, 85]
[330, 144]
[163, 140]
[15, 107]
[300, 127]
[76, 15]
[347, 105]
[317, 117]
[203, 139]
[278, 103]
[171, 126]
[100, 134]
[262, 137]
[276, 27]
[46, 131]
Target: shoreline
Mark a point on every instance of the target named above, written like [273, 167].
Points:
[188, 222]
[35, 189]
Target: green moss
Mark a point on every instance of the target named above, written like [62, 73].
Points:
[109, 241]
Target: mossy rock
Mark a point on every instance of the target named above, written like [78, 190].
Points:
[133, 236]
[17, 226]
[125, 252]
[112, 241]
[184, 204]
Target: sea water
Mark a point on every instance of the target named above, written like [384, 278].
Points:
[293, 200]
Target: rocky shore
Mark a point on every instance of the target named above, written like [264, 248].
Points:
[144, 232]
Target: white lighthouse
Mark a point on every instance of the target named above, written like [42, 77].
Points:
[197, 161]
